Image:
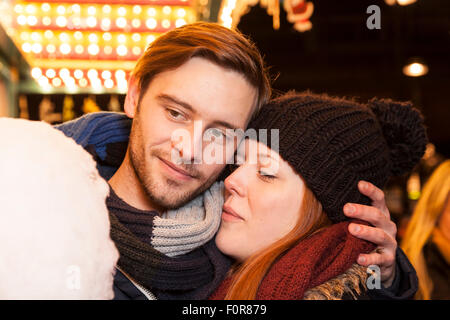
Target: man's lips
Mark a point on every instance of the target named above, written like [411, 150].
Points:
[178, 170]
[229, 214]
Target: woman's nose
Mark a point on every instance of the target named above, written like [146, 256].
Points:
[236, 183]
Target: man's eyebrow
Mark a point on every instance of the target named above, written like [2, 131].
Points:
[172, 99]
[175, 100]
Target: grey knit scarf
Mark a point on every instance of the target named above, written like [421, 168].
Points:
[182, 230]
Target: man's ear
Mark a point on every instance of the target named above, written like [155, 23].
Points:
[132, 97]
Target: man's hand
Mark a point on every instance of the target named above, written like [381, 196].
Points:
[382, 233]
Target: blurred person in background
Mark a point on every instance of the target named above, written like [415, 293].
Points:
[427, 237]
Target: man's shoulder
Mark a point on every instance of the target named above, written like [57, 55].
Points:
[97, 127]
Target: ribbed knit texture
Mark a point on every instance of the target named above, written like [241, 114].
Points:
[333, 143]
[313, 261]
[191, 275]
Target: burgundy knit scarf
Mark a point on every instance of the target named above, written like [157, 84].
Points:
[313, 261]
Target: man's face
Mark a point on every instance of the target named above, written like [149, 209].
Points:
[198, 96]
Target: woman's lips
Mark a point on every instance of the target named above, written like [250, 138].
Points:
[229, 214]
[175, 171]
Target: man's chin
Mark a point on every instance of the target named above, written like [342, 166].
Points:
[165, 198]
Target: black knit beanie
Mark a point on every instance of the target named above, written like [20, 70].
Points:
[333, 143]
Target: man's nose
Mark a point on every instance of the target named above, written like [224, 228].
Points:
[190, 147]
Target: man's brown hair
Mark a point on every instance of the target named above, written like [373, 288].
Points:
[225, 47]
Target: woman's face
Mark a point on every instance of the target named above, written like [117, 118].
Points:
[262, 201]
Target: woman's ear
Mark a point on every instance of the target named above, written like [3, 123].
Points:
[132, 97]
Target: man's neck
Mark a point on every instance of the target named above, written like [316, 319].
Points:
[127, 186]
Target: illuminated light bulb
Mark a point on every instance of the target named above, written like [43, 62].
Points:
[92, 74]
[121, 22]
[43, 81]
[151, 12]
[76, 8]
[50, 48]
[65, 48]
[78, 74]
[180, 23]
[24, 35]
[32, 20]
[166, 23]
[136, 51]
[120, 74]
[136, 23]
[26, 47]
[93, 37]
[56, 82]
[61, 21]
[167, 10]
[18, 8]
[109, 84]
[91, 22]
[122, 11]
[107, 36]
[83, 83]
[415, 69]
[46, 21]
[122, 85]
[64, 37]
[106, 24]
[50, 73]
[36, 48]
[181, 13]
[45, 7]
[106, 74]
[106, 9]
[151, 23]
[61, 10]
[93, 49]
[121, 38]
[150, 39]
[122, 50]
[76, 21]
[79, 49]
[35, 36]
[137, 9]
[405, 2]
[91, 10]
[108, 50]
[22, 20]
[69, 81]
[48, 34]
[64, 73]
[30, 9]
[78, 35]
[36, 72]
[136, 37]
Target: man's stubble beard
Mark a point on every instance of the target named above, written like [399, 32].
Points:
[166, 194]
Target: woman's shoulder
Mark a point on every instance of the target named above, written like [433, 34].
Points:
[350, 285]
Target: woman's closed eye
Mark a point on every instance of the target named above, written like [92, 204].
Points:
[266, 175]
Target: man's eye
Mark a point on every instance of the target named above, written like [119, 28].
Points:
[217, 133]
[175, 114]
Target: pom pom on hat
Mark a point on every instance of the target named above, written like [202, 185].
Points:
[403, 129]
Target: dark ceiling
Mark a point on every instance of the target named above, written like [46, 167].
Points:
[341, 56]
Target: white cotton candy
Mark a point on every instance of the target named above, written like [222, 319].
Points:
[54, 228]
